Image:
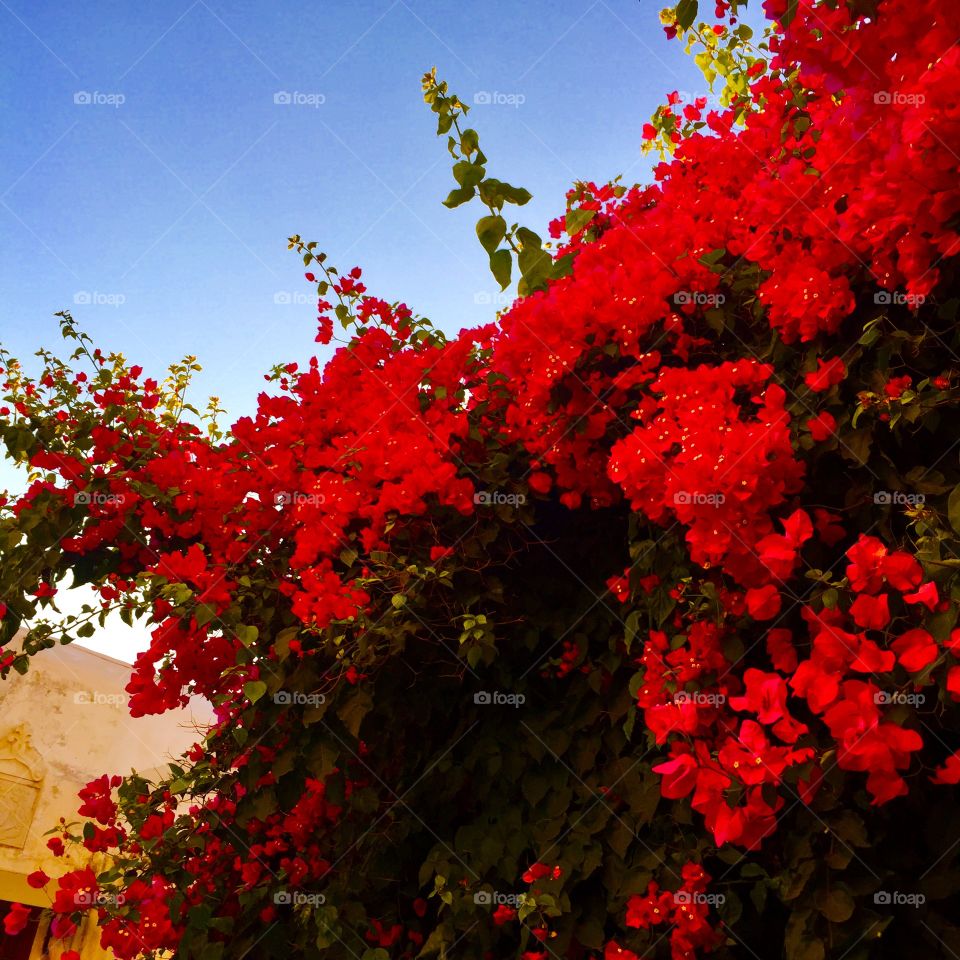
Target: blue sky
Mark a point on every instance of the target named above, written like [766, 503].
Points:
[148, 178]
[169, 211]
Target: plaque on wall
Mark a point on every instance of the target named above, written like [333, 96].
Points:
[21, 773]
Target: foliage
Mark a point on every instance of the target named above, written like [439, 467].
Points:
[625, 625]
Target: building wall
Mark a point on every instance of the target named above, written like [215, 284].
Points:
[63, 724]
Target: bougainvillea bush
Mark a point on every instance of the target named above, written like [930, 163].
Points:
[622, 626]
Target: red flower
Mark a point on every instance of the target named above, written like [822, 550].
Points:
[828, 525]
[871, 613]
[953, 683]
[949, 773]
[504, 914]
[822, 426]
[896, 387]
[915, 650]
[865, 571]
[38, 879]
[613, 951]
[927, 595]
[16, 919]
[679, 776]
[766, 696]
[901, 570]
[828, 373]
[763, 603]
[780, 648]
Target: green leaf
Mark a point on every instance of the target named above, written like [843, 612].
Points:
[491, 230]
[953, 508]
[686, 13]
[501, 266]
[837, 905]
[468, 174]
[355, 709]
[458, 196]
[528, 239]
[577, 219]
[205, 613]
[254, 690]
[516, 195]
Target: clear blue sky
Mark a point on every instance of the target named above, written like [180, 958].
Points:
[158, 211]
[170, 210]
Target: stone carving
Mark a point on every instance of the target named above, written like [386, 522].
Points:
[21, 773]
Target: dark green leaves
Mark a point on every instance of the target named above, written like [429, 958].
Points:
[501, 266]
[491, 230]
[577, 219]
[686, 13]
